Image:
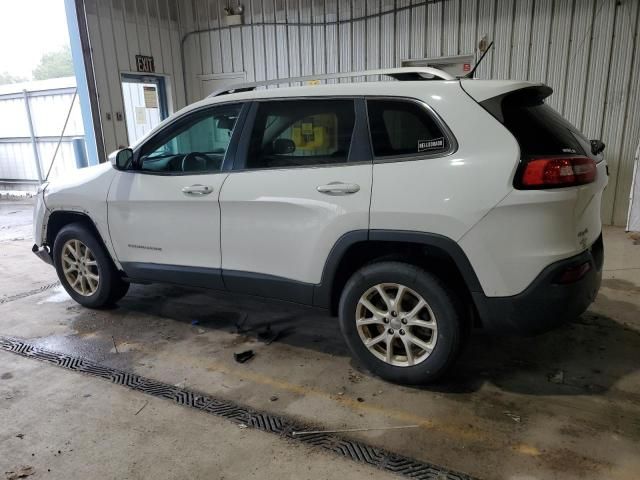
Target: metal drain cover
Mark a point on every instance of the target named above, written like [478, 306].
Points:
[28, 293]
[347, 448]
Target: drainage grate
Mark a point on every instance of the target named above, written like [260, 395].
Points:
[351, 449]
[28, 293]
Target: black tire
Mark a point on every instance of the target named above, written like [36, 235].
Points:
[111, 287]
[447, 309]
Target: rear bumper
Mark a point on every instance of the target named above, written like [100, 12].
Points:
[545, 304]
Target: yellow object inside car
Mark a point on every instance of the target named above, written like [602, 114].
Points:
[316, 133]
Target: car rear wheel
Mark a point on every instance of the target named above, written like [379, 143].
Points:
[85, 269]
[402, 322]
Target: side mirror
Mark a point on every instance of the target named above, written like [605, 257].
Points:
[597, 146]
[121, 159]
[283, 146]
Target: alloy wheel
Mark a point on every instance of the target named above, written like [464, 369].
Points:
[80, 267]
[396, 324]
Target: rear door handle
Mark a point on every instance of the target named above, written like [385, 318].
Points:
[339, 188]
[197, 190]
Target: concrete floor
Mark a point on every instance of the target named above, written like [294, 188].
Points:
[565, 405]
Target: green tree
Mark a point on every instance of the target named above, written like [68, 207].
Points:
[54, 65]
[6, 78]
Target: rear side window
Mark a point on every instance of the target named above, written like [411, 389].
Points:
[295, 133]
[537, 127]
[403, 128]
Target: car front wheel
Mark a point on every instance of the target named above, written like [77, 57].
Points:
[402, 322]
[85, 268]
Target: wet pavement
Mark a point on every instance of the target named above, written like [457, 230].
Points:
[15, 221]
[562, 405]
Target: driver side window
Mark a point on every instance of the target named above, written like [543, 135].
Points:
[197, 144]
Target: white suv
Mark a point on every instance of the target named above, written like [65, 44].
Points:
[413, 209]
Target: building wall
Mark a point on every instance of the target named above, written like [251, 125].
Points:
[587, 50]
[49, 104]
[119, 30]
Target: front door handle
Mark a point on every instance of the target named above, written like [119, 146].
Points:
[339, 188]
[197, 190]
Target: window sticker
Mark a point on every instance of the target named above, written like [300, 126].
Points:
[433, 144]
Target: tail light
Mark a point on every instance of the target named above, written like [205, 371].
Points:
[556, 172]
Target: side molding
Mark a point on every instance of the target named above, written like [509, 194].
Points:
[176, 274]
[258, 284]
[268, 286]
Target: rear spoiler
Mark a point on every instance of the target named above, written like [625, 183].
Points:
[481, 90]
[525, 92]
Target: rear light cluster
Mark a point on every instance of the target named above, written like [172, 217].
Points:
[556, 172]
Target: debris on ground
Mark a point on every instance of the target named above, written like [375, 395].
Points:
[114, 344]
[243, 426]
[556, 377]
[273, 398]
[268, 335]
[360, 399]
[20, 436]
[142, 407]
[240, 324]
[513, 416]
[242, 357]
[354, 377]
[21, 472]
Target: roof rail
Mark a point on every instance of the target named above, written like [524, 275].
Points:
[403, 73]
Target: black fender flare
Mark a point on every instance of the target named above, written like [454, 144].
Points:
[323, 291]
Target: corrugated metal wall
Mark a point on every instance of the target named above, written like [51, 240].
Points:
[587, 50]
[118, 31]
[49, 103]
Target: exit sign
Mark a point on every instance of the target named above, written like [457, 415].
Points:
[145, 64]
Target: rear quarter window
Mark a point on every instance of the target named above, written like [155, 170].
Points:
[404, 128]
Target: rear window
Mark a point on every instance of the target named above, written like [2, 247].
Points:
[537, 127]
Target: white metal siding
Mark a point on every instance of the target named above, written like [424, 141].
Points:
[49, 103]
[118, 31]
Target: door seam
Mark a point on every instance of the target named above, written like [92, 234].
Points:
[220, 229]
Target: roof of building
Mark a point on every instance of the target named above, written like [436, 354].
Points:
[38, 85]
